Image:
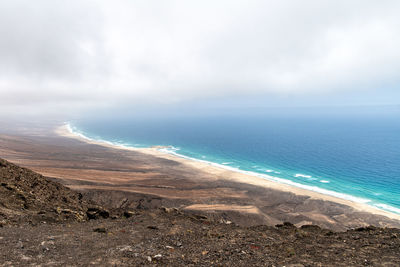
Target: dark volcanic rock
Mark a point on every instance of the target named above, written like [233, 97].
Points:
[100, 230]
[128, 214]
[97, 213]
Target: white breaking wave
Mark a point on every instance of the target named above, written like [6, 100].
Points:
[173, 148]
[302, 175]
[388, 208]
[324, 181]
[264, 170]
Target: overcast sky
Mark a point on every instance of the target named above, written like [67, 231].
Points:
[61, 56]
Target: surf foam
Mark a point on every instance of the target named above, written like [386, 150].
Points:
[302, 175]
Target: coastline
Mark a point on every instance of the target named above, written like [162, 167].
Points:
[220, 173]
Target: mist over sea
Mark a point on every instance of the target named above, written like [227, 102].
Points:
[355, 157]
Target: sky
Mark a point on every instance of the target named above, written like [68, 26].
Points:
[62, 58]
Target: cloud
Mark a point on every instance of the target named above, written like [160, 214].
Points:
[87, 53]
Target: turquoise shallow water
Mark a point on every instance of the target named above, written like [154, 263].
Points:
[356, 158]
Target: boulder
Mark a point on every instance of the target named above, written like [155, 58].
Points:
[94, 213]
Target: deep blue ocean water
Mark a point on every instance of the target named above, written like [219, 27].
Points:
[353, 157]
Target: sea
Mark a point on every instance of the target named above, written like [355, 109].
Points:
[354, 157]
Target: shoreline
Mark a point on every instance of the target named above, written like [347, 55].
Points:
[228, 173]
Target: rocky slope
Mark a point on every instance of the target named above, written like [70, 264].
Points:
[45, 223]
[26, 196]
